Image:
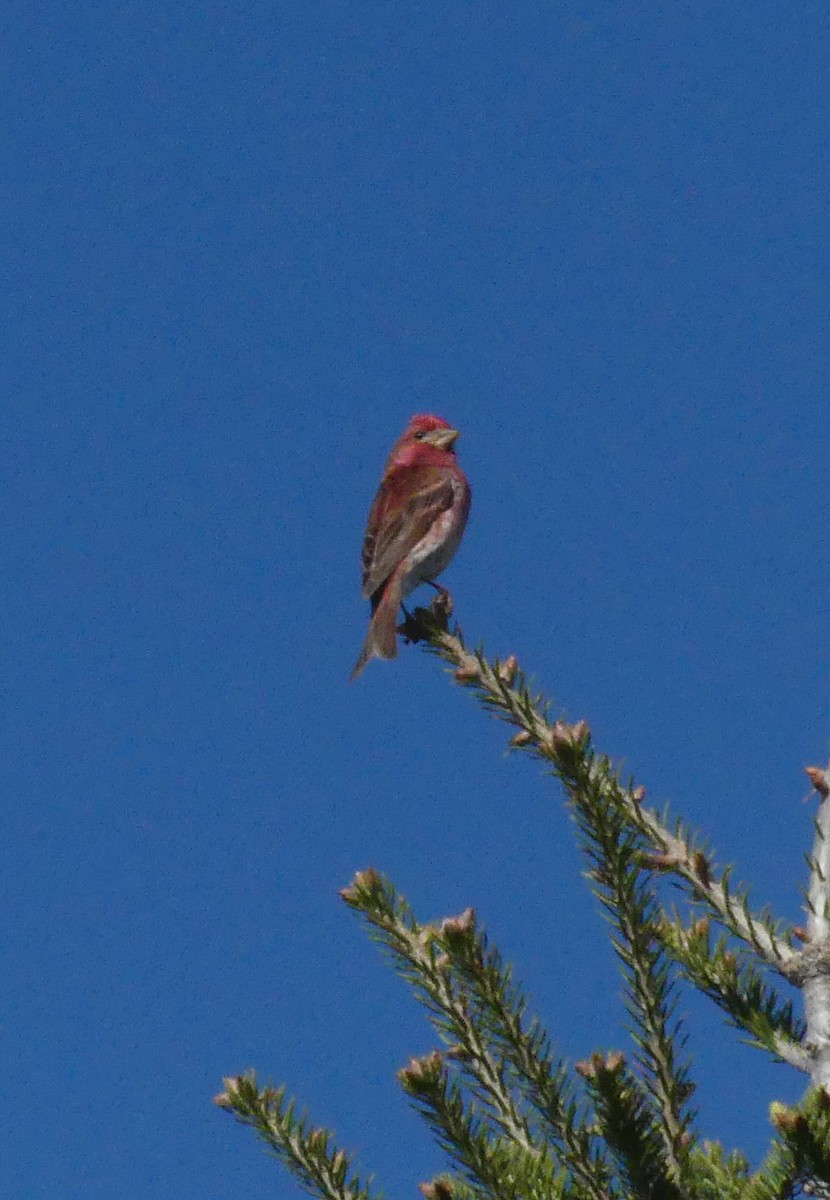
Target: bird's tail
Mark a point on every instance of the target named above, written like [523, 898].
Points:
[380, 640]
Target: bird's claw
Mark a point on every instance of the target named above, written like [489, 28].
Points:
[419, 625]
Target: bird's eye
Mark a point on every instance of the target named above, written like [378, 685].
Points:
[420, 435]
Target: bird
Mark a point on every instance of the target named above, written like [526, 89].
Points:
[414, 527]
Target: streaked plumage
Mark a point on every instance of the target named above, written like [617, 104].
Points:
[414, 526]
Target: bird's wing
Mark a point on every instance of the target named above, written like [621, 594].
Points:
[409, 500]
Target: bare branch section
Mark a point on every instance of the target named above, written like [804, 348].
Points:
[816, 981]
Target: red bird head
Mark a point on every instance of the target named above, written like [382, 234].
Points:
[426, 440]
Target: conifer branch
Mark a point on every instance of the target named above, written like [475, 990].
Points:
[778, 1177]
[799, 1160]
[614, 850]
[503, 690]
[626, 1120]
[307, 1153]
[497, 1168]
[500, 1103]
[524, 1049]
[418, 954]
[614, 843]
[737, 987]
[678, 853]
[479, 1015]
[716, 1175]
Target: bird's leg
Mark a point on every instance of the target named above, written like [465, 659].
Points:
[407, 624]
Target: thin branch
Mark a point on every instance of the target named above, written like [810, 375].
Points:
[626, 1119]
[624, 888]
[717, 1175]
[498, 1168]
[728, 905]
[467, 1004]
[502, 688]
[614, 843]
[737, 987]
[524, 1049]
[307, 1153]
[416, 949]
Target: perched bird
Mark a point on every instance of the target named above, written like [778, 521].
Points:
[414, 527]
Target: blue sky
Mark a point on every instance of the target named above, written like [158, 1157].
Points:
[242, 244]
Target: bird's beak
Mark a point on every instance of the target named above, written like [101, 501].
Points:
[444, 439]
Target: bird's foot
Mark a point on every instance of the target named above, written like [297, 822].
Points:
[422, 623]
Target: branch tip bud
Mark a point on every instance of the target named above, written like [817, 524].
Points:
[818, 778]
[364, 881]
[598, 1064]
[439, 1189]
[787, 1120]
[419, 1070]
[562, 736]
[638, 795]
[467, 672]
[558, 735]
[660, 862]
[508, 669]
[521, 738]
[700, 866]
[581, 731]
[460, 926]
